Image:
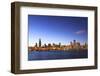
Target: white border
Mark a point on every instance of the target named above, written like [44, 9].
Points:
[25, 64]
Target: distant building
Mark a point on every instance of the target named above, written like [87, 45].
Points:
[45, 45]
[53, 44]
[74, 42]
[49, 45]
[59, 44]
[39, 42]
[36, 45]
[71, 45]
[85, 45]
[77, 45]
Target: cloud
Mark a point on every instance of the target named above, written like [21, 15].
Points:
[80, 32]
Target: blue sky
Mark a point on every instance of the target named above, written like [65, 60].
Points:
[55, 29]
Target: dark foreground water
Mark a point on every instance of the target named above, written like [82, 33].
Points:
[52, 55]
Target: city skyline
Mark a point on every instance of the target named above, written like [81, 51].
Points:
[40, 44]
[55, 29]
[74, 45]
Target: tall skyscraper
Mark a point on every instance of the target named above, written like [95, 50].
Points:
[59, 44]
[74, 44]
[74, 41]
[71, 45]
[36, 45]
[39, 42]
[85, 45]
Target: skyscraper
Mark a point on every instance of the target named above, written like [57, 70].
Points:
[74, 42]
[59, 44]
[36, 45]
[39, 42]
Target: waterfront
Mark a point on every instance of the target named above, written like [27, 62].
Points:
[58, 47]
[57, 37]
[52, 55]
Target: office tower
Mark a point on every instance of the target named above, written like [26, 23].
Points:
[85, 45]
[39, 42]
[36, 45]
[71, 45]
[45, 45]
[49, 45]
[74, 42]
[59, 44]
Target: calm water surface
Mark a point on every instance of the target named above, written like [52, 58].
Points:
[50, 55]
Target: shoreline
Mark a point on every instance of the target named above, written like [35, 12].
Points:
[60, 50]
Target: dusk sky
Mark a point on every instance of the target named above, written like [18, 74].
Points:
[55, 29]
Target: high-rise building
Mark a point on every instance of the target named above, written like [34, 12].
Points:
[39, 42]
[36, 45]
[59, 44]
[74, 42]
[49, 45]
[53, 44]
[71, 45]
[78, 45]
[85, 45]
[45, 45]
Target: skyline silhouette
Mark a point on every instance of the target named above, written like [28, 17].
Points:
[74, 45]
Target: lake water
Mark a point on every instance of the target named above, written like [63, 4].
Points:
[52, 55]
